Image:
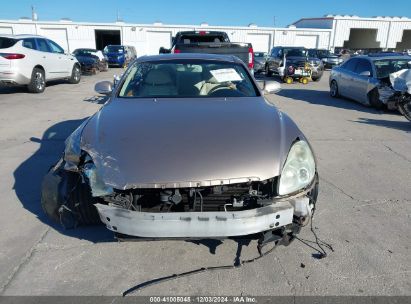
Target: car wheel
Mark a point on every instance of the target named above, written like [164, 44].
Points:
[316, 78]
[405, 109]
[75, 75]
[374, 99]
[38, 81]
[334, 89]
[268, 72]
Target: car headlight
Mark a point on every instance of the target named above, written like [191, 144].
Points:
[298, 170]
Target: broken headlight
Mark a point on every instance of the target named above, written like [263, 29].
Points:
[298, 170]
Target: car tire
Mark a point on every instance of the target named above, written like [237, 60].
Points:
[374, 99]
[75, 75]
[268, 73]
[316, 78]
[334, 89]
[37, 82]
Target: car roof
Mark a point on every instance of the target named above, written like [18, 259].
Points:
[382, 57]
[22, 36]
[188, 56]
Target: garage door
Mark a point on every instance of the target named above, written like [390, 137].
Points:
[308, 41]
[6, 30]
[155, 40]
[260, 42]
[57, 35]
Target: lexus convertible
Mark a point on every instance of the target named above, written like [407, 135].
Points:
[186, 147]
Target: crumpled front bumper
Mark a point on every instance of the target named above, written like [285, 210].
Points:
[199, 224]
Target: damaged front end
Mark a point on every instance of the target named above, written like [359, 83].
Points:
[396, 92]
[74, 193]
[198, 212]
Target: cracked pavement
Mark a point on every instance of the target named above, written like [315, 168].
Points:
[364, 209]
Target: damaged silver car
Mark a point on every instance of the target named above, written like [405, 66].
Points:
[186, 147]
[369, 80]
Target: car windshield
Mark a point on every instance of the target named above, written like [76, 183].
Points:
[387, 66]
[83, 52]
[322, 53]
[183, 78]
[296, 52]
[259, 55]
[113, 49]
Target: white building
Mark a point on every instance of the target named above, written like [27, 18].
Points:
[359, 33]
[329, 32]
[148, 38]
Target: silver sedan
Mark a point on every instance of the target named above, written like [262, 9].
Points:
[187, 146]
[360, 78]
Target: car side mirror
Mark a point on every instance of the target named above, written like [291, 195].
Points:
[366, 73]
[104, 87]
[269, 87]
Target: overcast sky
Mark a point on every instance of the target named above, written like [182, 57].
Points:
[214, 12]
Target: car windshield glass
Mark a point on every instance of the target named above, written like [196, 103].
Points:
[113, 49]
[7, 42]
[201, 38]
[387, 66]
[183, 78]
[259, 55]
[84, 52]
[296, 52]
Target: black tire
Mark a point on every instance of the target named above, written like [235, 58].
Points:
[405, 109]
[37, 82]
[316, 78]
[268, 73]
[334, 89]
[75, 75]
[374, 99]
[67, 200]
[105, 68]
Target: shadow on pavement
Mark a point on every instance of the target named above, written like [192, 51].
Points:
[323, 98]
[29, 174]
[393, 124]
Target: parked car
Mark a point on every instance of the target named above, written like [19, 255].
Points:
[259, 61]
[91, 60]
[282, 60]
[33, 60]
[210, 42]
[167, 156]
[120, 55]
[360, 77]
[329, 59]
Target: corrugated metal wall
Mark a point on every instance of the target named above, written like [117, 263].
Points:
[138, 35]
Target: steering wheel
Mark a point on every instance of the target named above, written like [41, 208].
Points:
[218, 87]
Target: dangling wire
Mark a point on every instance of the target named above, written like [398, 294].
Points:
[320, 243]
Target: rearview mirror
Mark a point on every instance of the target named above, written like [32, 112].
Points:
[104, 87]
[269, 87]
[365, 73]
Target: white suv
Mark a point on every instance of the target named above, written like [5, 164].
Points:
[33, 60]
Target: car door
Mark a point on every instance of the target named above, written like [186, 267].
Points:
[346, 79]
[51, 60]
[45, 57]
[270, 59]
[63, 62]
[361, 82]
[277, 60]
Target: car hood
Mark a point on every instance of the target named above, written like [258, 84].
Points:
[171, 143]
